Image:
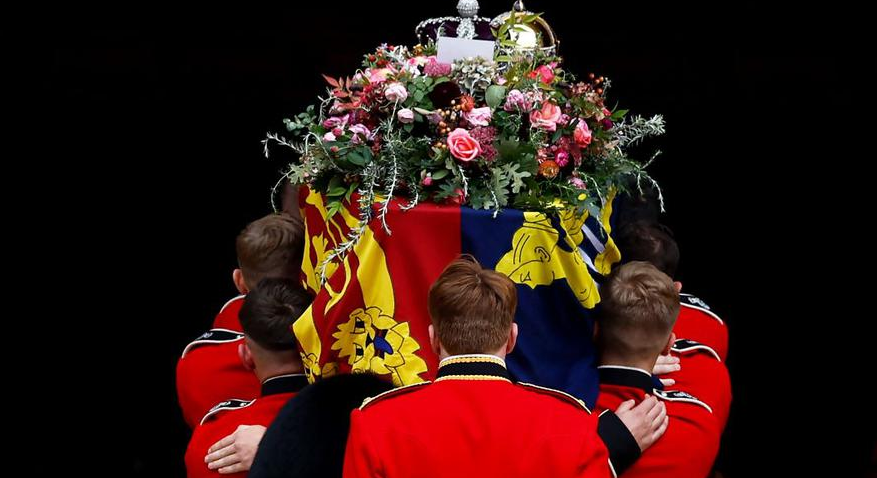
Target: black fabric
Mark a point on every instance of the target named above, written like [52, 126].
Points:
[622, 446]
[308, 436]
[626, 378]
[474, 368]
[284, 384]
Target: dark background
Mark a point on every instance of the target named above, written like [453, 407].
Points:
[157, 114]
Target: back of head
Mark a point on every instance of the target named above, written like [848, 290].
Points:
[308, 436]
[472, 308]
[271, 247]
[269, 311]
[648, 242]
[638, 309]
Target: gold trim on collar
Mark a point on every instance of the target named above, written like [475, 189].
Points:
[471, 359]
[472, 377]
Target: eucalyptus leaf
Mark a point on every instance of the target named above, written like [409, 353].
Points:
[494, 95]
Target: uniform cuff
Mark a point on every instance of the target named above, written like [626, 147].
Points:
[622, 446]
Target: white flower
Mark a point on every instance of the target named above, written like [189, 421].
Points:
[329, 136]
[405, 115]
[396, 92]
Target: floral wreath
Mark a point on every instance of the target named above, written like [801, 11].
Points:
[518, 131]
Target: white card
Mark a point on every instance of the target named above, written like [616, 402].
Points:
[450, 49]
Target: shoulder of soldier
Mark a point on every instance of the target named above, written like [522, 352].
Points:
[679, 396]
[237, 301]
[558, 394]
[213, 336]
[693, 302]
[226, 406]
[686, 346]
[396, 392]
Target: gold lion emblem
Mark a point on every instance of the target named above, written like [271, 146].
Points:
[375, 342]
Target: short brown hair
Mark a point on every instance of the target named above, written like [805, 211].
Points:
[649, 242]
[472, 308]
[269, 311]
[271, 247]
[638, 308]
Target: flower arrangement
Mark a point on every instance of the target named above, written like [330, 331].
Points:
[519, 131]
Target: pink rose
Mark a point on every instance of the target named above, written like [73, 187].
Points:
[329, 137]
[457, 199]
[405, 115]
[338, 131]
[582, 134]
[360, 133]
[378, 75]
[463, 146]
[545, 73]
[546, 117]
[396, 92]
[334, 122]
[478, 116]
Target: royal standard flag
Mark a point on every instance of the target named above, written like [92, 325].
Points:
[370, 313]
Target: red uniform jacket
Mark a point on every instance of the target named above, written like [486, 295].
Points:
[210, 371]
[703, 375]
[697, 322]
[223, 419]
[691, 443]
[227, 318]
[473, 421]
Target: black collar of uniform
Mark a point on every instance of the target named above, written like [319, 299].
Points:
[284, 384]
[626, 377]
[472, 367]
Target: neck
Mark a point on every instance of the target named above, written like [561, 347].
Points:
[269, 370]
[647, 365]
[443, 354]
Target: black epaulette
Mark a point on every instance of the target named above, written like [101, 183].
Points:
[685, 346]
[680, 396]
[232, 404]
[213, 336]
[578, 403]
[688, 300]
[391, 393]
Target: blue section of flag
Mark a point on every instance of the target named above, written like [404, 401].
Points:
[555, 346]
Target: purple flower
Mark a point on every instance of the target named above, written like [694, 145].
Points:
[360, 133]
[485, 137]
[515, 100]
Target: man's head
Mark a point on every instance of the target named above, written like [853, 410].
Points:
[266, 317]
[649, 242]
[638, 309]
[472, 310]
[269, 247]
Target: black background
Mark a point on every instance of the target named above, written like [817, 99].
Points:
[157, 114]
